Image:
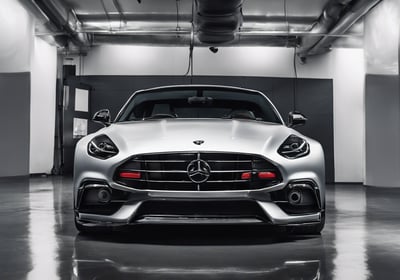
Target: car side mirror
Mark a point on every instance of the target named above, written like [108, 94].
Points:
[103, 116]
[296, 119]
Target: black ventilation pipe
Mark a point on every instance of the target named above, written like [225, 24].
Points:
[217, 22]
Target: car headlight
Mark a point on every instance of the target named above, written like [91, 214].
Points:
[102, 147]
[294, 147]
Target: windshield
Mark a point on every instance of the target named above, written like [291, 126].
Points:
[199, 103]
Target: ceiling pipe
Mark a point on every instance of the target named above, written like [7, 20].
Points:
[66, 21]
[144, 17]
[329, 17]
[343, 25]
[275, 30]
[216, 25]
[142, 39]
[44, 24]
[184, 40]
[268, 25]
[171, 17]
[337, 18]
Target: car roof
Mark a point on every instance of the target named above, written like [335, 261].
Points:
[197, 87]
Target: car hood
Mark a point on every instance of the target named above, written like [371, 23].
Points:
[167, 135]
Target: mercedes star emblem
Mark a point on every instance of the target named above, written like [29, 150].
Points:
[198, 171]
[198, 142]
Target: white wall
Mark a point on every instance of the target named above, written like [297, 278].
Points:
[135, 60]
[43, 102]
[347, 69]
[229, 61]
[349, 121]
[16, 30]
[344, 66]
[381, 40]
[20, 51]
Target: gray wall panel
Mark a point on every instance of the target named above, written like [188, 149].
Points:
[382, 128]
[15, 124]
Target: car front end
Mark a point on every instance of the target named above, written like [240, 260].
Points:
[202, 171]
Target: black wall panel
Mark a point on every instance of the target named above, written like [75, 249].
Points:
[314, 98]
[15, 124]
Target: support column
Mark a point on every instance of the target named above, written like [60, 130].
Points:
[382, 96]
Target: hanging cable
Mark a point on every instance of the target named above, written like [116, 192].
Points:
[285, 10]
[295, 78]
[191, 47]
[178, 28]
[191, 54]
[286, 22]
[189, 63]
[122, 19]
[107, 14]
[80, 64]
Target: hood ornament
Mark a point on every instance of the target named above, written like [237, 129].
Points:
[198, 142]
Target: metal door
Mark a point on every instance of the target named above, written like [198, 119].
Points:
[76, 115]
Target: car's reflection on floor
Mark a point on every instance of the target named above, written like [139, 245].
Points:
[198, 252]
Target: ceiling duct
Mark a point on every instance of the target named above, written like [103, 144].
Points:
[216, 22]
[142, 39]
[62, 20]
[336, 19]
[184, 39]
[44, 24]
[66, 20]
[128, 16]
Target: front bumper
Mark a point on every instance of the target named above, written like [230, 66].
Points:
[228, 207]
[126, 215]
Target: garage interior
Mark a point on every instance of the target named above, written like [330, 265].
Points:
[336, 61]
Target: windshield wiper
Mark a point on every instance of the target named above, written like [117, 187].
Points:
[160, 116]
[241, 114]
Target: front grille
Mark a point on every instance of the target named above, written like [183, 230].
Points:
[169, 171]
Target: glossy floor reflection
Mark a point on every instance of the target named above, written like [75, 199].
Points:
[361, 240]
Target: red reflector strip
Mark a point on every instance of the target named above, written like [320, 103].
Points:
[267, 175]
[246, 176]
[130, 175]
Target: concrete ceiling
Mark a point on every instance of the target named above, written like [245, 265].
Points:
[77, 24]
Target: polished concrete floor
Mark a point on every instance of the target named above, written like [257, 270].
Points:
[361, 240]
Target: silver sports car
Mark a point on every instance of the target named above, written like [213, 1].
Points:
[199, 154]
